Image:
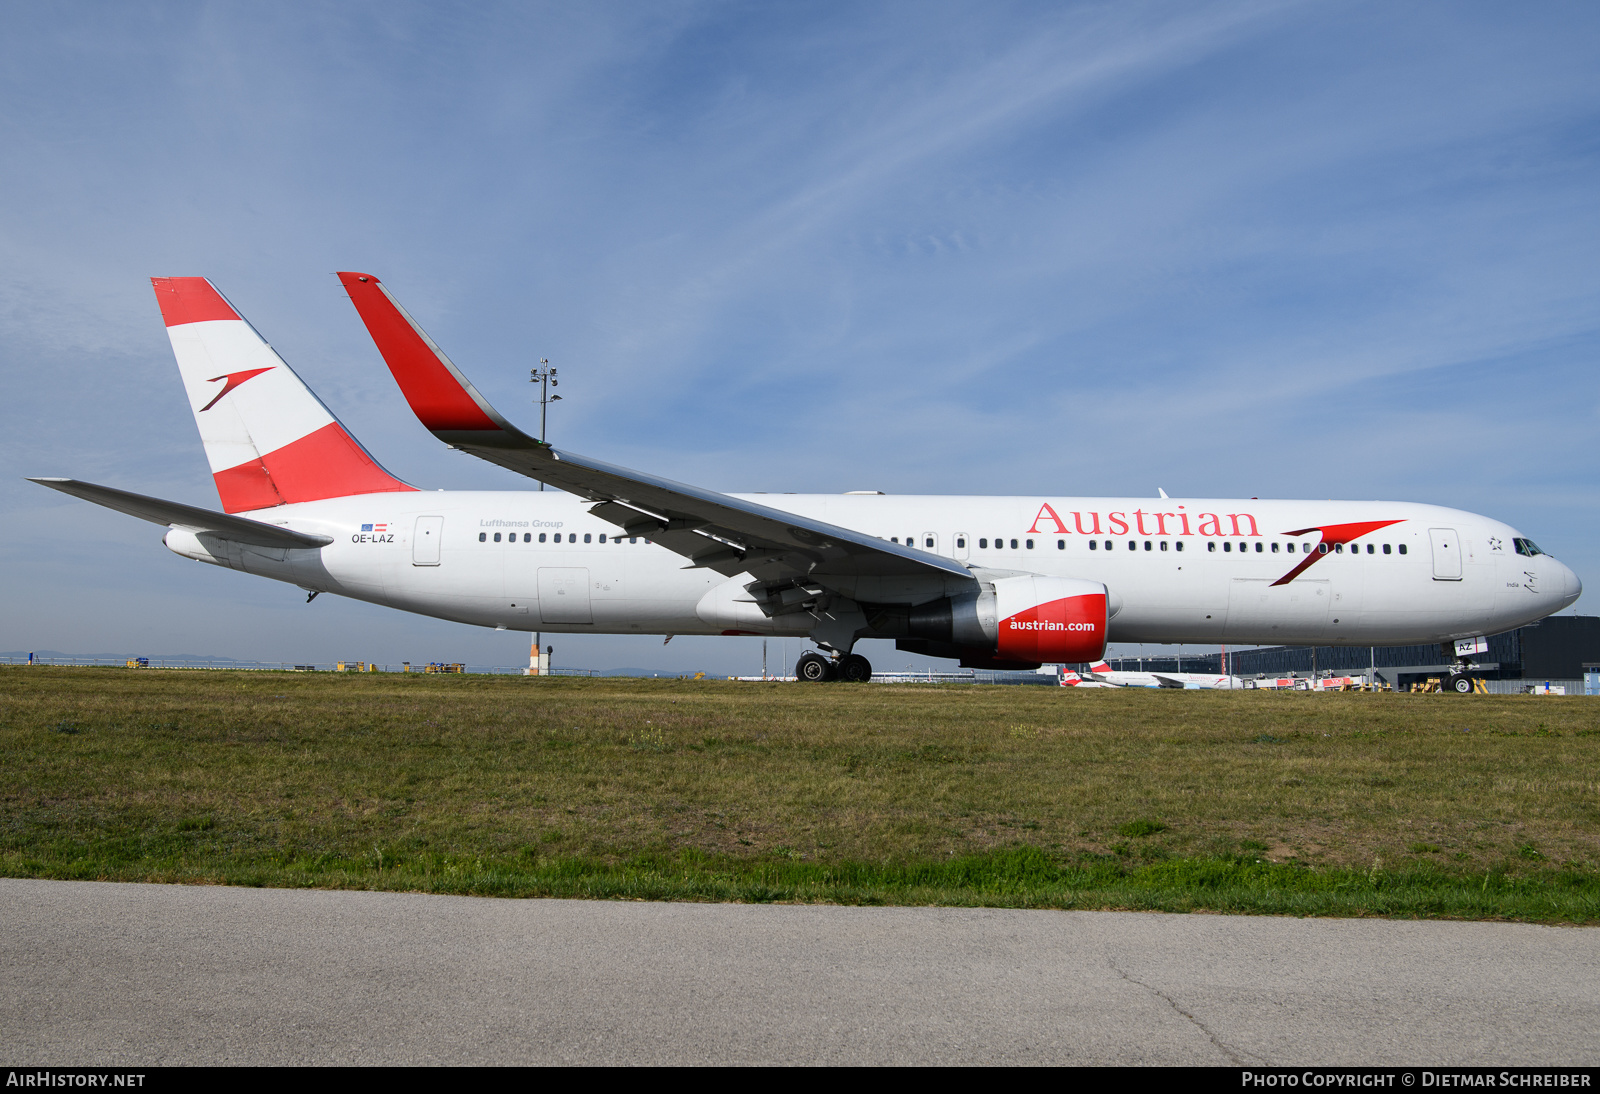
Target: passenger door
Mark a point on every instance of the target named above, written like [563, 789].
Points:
[425, 541]
[1446, 554]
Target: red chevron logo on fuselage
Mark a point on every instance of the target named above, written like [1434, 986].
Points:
[234, 380]
[1332, 535]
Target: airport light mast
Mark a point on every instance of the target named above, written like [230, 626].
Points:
[545, 377]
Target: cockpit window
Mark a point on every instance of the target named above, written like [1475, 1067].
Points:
[1527, 547]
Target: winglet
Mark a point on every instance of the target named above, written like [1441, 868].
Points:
[441, 397]
[190, 300]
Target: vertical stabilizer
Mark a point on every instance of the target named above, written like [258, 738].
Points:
[269, 440]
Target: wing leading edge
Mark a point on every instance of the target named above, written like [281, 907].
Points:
[716, 531]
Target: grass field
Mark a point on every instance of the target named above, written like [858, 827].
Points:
[1358, 804]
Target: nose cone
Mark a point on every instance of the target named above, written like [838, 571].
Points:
[1572, 588]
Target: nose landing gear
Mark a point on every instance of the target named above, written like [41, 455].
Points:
[852, 668]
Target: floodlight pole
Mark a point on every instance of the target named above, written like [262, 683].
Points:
[545, 377]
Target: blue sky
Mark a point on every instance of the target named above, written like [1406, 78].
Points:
[1232, 249]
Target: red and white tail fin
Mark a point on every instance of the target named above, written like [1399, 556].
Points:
[268, 438]
[1100, 669]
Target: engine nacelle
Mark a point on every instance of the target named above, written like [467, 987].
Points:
[1026, 619]
[1060, 619]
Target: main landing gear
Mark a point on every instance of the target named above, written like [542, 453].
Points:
[852, 668]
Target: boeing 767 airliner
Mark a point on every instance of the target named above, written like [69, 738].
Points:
[1001, 582]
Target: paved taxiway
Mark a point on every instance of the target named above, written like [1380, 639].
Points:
[94, 973]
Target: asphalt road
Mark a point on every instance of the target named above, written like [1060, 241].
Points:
[94, 973]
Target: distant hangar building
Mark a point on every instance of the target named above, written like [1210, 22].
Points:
[1559, 648]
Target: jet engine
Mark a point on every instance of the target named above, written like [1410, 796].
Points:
[1021, 621]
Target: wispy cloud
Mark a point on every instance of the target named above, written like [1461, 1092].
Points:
[1324, 249]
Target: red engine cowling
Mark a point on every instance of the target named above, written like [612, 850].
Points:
[1014, 622]
[1050, 619]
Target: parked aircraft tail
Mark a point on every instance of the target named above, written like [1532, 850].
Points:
[269, 440]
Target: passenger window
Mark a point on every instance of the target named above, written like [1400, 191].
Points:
[1132, 546]
[1029, 544]
[483, 537]
[961, 543]
[1322, 548]
[1259, 548]
[1061, 545]
[497, 537]
[1211, 546]
[1179, 545]
[1371, 549]
[1108, 545]
[1163, 545]
[633, 539]
[1013, 545]
[1226, 546]
[1146, 545]
[984, 544]
[1274, 548]
[541, 537]
[894, 539]
[586, 537]
[927, 541]
[1402, 548]
[1094, 545]
[602, 537]
[1386, 549]
[1338, 548]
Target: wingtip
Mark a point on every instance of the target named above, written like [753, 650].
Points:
[190, 300]
[442, 399]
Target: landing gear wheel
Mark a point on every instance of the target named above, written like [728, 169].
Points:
[1460, 683]
[813, 668]
[855, 669]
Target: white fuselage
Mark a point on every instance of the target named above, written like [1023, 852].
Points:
[1179, 570]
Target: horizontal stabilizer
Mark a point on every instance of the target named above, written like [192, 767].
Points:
[188, 517]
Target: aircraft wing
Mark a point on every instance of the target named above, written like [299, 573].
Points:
[187, 517]
[1167, 681]
[712, 530]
